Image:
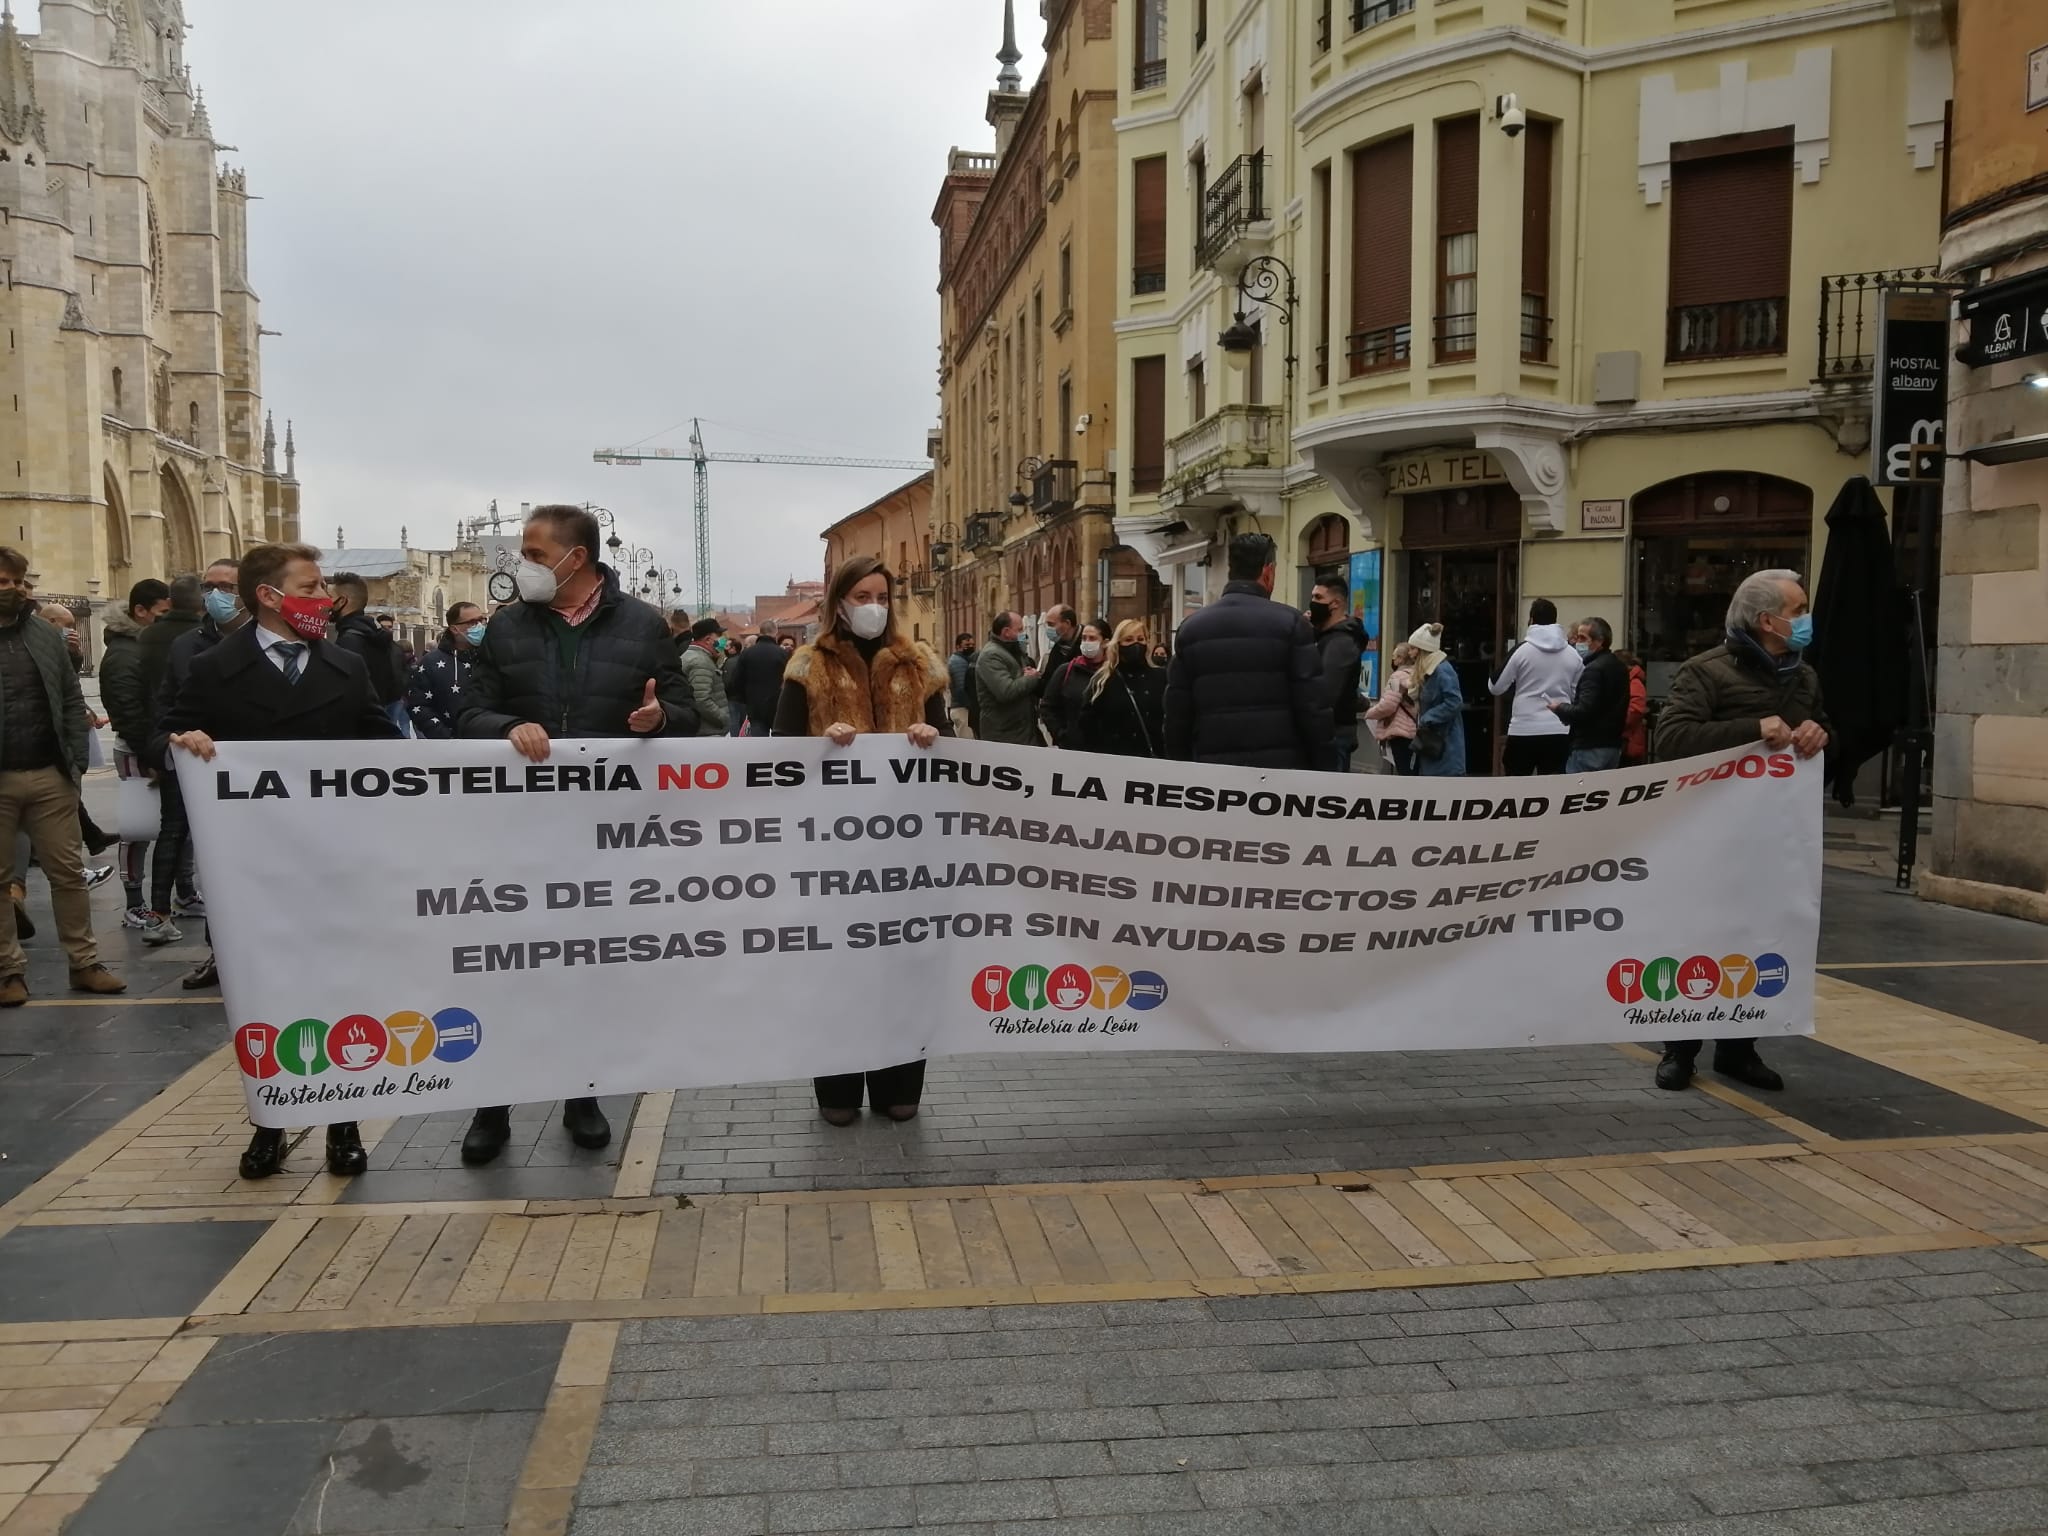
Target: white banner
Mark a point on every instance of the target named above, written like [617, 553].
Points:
[413, 926]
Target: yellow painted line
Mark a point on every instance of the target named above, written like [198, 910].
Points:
[1921, 965]
[641, 1155]
[122, 1002]
[561, 1442]
[609, 1313]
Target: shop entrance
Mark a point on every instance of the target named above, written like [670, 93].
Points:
[1463, 565]
[1696, 538]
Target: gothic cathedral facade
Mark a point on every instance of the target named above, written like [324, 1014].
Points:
[133, 439]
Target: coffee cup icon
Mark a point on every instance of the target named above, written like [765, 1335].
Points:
[358, 1054]
[1069, 997]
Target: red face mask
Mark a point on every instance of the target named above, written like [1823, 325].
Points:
[307, 615]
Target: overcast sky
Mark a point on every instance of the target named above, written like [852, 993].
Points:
[498, 234]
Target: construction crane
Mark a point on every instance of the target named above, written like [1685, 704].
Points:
[703, 461]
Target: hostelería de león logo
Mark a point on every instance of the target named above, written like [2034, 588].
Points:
[1698, 989]
[405, 1049]
[1065, 999]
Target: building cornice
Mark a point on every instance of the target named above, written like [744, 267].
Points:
[1519, 42]
[1420, 423]
[2000, 235]
[1200, 294]
[1198, 77]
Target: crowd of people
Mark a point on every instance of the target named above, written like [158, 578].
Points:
[268, 648]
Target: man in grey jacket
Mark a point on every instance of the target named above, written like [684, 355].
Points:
[701, 670]
[1007, 686]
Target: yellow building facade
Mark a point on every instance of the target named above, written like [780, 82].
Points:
[1584, 292]
[137, 443]
[896, 530]
[1024, 455]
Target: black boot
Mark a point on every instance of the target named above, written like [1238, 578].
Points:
[1746, 1067]
[586, 1124]
[205, 974]
[487, 1135]
[345, 1154]
[265, 1154]
[1674, 1072]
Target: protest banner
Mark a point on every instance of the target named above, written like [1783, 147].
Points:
[406, 927]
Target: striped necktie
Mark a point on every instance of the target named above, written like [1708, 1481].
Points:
[294, 654]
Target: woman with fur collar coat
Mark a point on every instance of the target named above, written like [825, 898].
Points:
[864, 674]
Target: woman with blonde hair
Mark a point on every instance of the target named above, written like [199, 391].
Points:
[1391, 718]
[1123, 711]
[864, 674]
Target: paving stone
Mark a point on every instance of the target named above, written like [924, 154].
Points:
[1755, 1492]
[1896, 1478]
[1126, 1495]
[861, 1509]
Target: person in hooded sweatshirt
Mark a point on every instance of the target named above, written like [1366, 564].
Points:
[1340, 639]
[1543, 668]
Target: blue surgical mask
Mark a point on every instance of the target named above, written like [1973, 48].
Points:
[475, 633]
[1582, 648]
[1802, 632]
[221, 606]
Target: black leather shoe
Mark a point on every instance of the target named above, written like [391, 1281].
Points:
[345, 1154]
[1749, 1070]
[586, 1124]
[839, 1117]
[1674, 1072]
[203, 975]
[901, 1112]
[487, 1135]
[265, 1154]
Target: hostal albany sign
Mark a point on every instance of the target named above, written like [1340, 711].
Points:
[2008, 320]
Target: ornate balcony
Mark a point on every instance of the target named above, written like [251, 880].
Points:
[1052, 488]
[1223, 459]
[1237, 224]
[1848, 321]
[1740, 328]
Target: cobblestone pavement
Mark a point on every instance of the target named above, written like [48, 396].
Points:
[1514, 1291]
[1902, 1394]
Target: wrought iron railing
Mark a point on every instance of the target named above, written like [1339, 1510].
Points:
[1536, 332]
[1150, 74]
[1456, 337]
[1235, 199]
[1370, 13]
[1149, 277]
[1738, 328]
[1323, 9]
[1052, 488]
[1848, 319]
[1377, 351]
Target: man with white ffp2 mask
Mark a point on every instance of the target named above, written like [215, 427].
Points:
[576, 656]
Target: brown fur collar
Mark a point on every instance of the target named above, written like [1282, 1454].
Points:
[839, 686]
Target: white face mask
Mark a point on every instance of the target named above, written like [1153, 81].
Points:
[537, 582]
[866, 620]
[1091, 649]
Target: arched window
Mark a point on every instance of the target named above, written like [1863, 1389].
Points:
[1695, 538]
[1328, 541]
[117, 392]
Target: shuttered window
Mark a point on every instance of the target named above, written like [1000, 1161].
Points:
[1382, 226]
[1731, 246]
[1457, 237]
[1324, 214]
[1538, 182]
[1148, 424]
[1148, 225]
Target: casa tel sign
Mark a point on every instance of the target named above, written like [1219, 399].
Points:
[1442, 470]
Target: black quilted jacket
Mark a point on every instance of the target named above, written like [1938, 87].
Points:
[517, 676]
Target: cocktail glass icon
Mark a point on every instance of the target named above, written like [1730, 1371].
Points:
[1734, 978]
[408, 1038]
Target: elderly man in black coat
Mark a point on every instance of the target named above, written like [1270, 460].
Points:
[276, 680]
[1246, 682]
[576, 656]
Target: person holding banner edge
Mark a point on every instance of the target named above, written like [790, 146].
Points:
[278, 679]
[1754, 686]
[576, 656]
[863, 674]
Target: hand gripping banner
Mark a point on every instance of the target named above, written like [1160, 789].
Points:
[406, 927]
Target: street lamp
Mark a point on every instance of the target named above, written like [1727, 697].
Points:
[942, 547]
[1027, 473]
[1269, 281]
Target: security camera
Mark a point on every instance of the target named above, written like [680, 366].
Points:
[1081, 424]
[1512, 119]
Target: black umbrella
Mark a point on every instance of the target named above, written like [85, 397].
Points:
[1859, 635]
